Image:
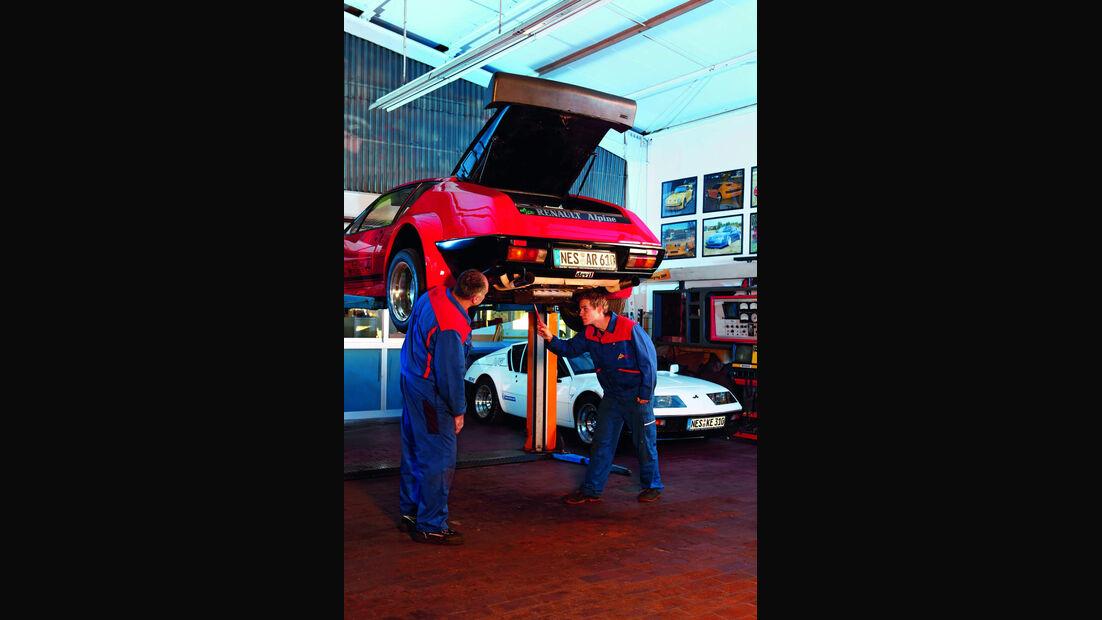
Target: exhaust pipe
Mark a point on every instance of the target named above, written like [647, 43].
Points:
[525, 279]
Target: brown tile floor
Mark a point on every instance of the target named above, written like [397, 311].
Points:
[692, 554]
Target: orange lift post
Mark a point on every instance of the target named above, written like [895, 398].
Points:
[542, 379]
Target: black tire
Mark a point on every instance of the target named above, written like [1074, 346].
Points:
[570, 315]
[405, 281]
[585, 418]
[484, 402]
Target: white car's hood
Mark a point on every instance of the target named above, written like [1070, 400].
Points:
[688, 389]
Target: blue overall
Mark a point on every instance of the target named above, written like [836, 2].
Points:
[434, 358]
[625, 360]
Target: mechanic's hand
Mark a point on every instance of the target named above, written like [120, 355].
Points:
[542, 330]
[458, 423]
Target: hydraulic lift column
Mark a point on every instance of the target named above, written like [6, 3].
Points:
[542, 380]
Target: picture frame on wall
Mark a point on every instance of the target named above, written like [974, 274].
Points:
[754, 233]
[754, 186]
[723, 235]
[679, 239]
[723, 191]
[679, 197]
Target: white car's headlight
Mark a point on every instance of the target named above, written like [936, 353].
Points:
[722, 398]
[667, 402]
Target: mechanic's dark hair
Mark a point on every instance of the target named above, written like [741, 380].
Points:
[470, 283]
[596, 298]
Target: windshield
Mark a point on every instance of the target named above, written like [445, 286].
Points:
[582, 364]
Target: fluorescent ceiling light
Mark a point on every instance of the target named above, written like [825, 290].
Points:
[545, 22]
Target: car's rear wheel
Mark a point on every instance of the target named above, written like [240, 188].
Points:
[585, 418]
[484, 402]
[405, 281]
[571, 315]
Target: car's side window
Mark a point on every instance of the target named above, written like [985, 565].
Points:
[519, 359]
[381, 212]
[563, 371]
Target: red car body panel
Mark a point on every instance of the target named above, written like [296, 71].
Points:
[456, 210]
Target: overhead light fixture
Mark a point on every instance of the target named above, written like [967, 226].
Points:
[714, 69]
[545, 22]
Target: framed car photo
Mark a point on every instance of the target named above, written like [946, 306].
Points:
[723, 191]
[679, 197]
[722, 235]
[753, 233]
[679, 239]
[754, 186]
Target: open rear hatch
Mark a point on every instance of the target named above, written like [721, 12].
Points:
[541, 136]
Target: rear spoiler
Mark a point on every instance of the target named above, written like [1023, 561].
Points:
[510, 88]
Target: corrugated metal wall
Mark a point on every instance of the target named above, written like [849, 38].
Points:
[424, 139]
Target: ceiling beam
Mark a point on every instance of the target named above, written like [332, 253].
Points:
[620, 36]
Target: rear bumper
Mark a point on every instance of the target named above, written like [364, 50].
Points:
[525, 282]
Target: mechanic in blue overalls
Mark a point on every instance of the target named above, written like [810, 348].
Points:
[435, 355]
[626, 369]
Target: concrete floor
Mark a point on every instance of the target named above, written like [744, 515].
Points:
[692, 554]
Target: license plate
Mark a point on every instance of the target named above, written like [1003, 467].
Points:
[697, 423]
[585, 259]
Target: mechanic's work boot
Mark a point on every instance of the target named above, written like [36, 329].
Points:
[408, 523]
[649, 495]
[447, 537]
[578, 497]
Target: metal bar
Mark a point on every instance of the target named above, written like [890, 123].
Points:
[620, 36]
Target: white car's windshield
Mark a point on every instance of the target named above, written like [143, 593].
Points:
[582, 364]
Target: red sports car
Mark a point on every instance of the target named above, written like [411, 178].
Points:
[506, 211]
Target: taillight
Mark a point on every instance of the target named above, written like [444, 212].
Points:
[527, 255]
[641, 262]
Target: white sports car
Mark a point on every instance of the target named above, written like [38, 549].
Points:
[683, 406]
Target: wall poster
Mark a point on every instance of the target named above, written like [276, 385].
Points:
[723, 235]
[723, 191]
[753, 233]
[679, 240]
[679, 197]
[754, 186]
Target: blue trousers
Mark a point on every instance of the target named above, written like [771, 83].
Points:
[612, 414]
[428, 456]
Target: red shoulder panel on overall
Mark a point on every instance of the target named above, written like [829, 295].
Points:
[622, 331]
[448, 316]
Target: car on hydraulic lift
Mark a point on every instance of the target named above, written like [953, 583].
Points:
[506, 211]
[497, 385]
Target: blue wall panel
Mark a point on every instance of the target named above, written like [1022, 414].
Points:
[393, 379]
[361, 379]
